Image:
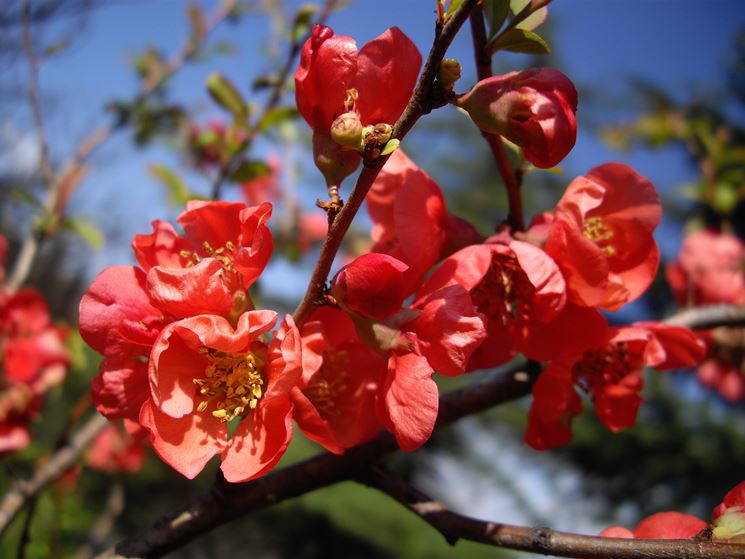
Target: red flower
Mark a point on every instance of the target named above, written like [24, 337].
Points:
[724, 377]
[335, 401]
[438, 333]
[533, 109]
[114, 450]
[203, 374]
[407, 206]
[660, 526]
[383, 73]
[34, 360]
[728, 517]
[602, 239]
[611, 373]
[512, 285]
[710, 269]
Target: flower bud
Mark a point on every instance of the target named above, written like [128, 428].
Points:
[449, 72]
[346, 130]
[335, 162]
[533, 109]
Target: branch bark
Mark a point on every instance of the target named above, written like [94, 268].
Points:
[454, 526]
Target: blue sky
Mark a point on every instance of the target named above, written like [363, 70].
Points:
[679, 44]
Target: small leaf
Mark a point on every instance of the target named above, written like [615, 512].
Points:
[277, 116]
[301, 23]
[518, 40]
[198, 26]
[178, 192]
[25, 196]
[249, 170]
[85, 229]
[390, 146]
[533, 20]
[264, 82]
[56, 47]
[454, 5]
[227, 96]
[496, 14]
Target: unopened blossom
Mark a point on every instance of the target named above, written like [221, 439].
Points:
[611, 374]
[728, 517]
[601, 236]
[205, 374]
[534, 109]
[660, 526]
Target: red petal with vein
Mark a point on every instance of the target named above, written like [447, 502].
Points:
[162, 247]
[120, 388]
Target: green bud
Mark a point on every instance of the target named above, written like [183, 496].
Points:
[346, 130]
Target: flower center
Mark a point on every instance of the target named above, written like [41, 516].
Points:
[329, 382]
[599, 233]
[504, 292]
[605, 366]
[223, 254]
[232, 383]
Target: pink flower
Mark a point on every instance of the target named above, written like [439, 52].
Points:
[601, 236]
[534, 109]
[203, 374]
[383, 73]
[710, 269]
[660, 526]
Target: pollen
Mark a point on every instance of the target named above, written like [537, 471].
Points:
[599, 233]
[232, 385]
[329, 382]
[223, 254]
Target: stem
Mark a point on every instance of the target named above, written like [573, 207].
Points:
[512, 178]
[421, 102]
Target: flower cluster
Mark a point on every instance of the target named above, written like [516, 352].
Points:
[711, 269]
[34, 360]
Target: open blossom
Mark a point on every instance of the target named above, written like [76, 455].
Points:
[382, 73]
[335, 400]
[611, 373]
[224, 249]
[534, 109]
[203, 374]
[437, 333]
[601, 236]
[116, 450]
[710, 269]
[34, 360]
[406, 207]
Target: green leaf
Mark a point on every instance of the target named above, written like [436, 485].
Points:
[302, 21]
[227, 96]
[533, 20]
[249, 170]
[518, 40]
[85, 229]
[496, 14]
[454, 5]
[56, 47]
[277, 116]
[178, 192]
[25, 196]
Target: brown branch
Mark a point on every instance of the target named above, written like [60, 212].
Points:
[102, 528]
[56, 183]
[714, 316]
[23, 491]
[454, 526]
[226, 502]
[422, 101]
[274, 99]
[512, 178]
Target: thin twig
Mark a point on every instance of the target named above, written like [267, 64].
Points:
[512, 178]
[26, 530]
[102, 528]
[56, 183]
[61, 461]
[454, 526]
[422, 102]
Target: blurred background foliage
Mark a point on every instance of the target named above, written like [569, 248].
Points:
[687, 449]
